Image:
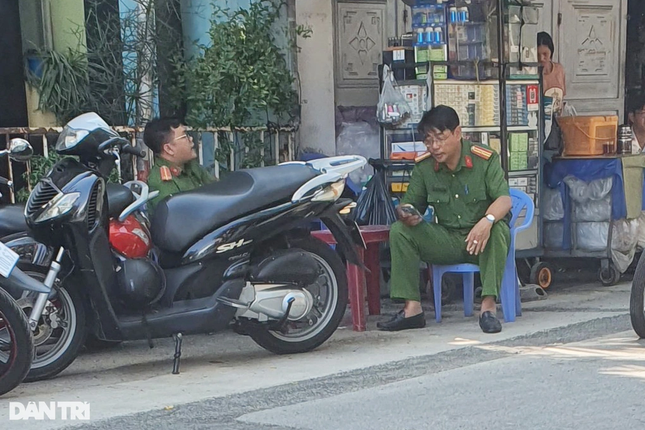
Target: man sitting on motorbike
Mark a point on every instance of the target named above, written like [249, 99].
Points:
[176, 168]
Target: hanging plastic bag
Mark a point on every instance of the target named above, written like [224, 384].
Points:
[374, 205]
[392, 109]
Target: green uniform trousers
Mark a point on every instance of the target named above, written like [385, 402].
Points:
[436, 244]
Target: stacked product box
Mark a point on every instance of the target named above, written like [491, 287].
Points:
[517, 112]
[476, 105]
[424, 54]
[518, 148]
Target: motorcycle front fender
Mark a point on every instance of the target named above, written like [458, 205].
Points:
[19, 281]
[29, 249]
[346, 233]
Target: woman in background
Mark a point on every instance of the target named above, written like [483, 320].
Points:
[553, 76]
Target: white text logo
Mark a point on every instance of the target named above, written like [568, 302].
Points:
[73, 411]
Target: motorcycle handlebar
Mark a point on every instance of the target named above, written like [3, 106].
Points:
[123, 145]
[5, 181]
[128, 149]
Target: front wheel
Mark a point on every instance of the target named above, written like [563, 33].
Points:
[330, 303]
[16, 344]
[61, 330]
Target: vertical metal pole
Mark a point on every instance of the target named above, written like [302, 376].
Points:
[231, 139]
[10, 171]
[215, 148]
[502, 85]
[276, 148]
[45, 145]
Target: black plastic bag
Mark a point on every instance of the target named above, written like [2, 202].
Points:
[374, 205]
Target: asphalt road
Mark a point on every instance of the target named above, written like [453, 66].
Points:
[584, 376]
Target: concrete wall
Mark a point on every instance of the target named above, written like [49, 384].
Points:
[67, 16]
[316, 70]
[31, 24]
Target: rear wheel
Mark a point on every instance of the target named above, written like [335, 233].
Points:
[16, 344]
[330, 303]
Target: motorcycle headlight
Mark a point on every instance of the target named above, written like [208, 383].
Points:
[58, 206]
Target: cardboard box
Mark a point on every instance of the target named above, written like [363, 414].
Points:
[518, 161]
[519, 142]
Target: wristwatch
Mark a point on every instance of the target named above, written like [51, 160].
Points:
[491, 218]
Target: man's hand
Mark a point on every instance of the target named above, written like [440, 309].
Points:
[407, 218]
[478, 237]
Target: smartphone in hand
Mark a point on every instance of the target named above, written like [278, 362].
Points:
[411, 210]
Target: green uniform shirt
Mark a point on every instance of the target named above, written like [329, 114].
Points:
[192, 176]
[461, 197]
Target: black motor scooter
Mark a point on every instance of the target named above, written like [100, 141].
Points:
[16, 340]
[232, 251]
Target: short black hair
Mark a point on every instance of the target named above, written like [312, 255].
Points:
[544, 39]
[157, 132]
[439, 118]
[635, 101]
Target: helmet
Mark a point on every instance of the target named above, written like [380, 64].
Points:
[141, 283]
[130, 238]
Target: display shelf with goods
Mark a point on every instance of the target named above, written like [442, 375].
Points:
[465, 74]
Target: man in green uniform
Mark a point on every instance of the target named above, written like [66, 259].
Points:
[176, 167]
[466, 186]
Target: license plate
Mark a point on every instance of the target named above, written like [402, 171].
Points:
[8, 260]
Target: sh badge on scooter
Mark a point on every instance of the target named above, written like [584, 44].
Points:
[231, 246]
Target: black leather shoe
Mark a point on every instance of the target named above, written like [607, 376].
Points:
[400, 322]
[489, 323]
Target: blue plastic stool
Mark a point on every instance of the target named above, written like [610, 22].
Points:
[509, 291]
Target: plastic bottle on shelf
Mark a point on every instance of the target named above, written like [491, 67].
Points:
[463, 14]
[420, 38]
[438, 35]
[429, 35]
[454, 17]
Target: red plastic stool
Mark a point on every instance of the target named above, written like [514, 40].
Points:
[358, 281]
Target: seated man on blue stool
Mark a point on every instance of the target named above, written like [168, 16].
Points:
[466, 186]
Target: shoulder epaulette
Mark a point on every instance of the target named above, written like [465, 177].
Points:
[164, 172]
[481, 152]
[420, 158]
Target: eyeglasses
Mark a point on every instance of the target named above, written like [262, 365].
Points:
[183, 136]
[435, 140]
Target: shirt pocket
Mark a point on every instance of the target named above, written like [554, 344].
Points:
[436, 198]
[477, 195]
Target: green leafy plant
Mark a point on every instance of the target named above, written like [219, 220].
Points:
[113, 73]
[39, 166]
[241, 77]
[64, 86]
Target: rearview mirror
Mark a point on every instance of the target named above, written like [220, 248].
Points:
[19, 150]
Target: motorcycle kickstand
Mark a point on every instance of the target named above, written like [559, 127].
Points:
[175, 366]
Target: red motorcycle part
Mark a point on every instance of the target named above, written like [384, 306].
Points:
[130, 238]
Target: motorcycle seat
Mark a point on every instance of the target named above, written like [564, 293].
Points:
[180, 220]
[12, 219]
[119, 198]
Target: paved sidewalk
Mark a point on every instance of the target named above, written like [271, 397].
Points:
[132, 378]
